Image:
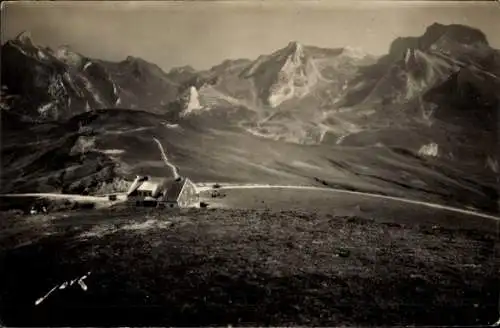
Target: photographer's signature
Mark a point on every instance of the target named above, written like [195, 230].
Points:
[65, 285]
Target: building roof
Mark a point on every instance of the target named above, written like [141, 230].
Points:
[174, 188]
[148, 185]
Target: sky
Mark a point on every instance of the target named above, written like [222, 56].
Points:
[203, 34]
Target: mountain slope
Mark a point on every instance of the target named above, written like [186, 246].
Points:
[53, 84]
[300, 82]
[57, 84]
[142, 85]
[285, 74]
[101, 151]
[414, 64]
[441, 86]
[291, 89]
[305, 115]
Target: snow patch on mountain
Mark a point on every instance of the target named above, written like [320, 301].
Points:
[170, 125]
[492, 164]
[431, 149]
[45, 109]
[67, 56]
[117, 95]
[111, 151]
[42, 55]
[94, 92]
[191, 102]
[82, 145]
[414, 87]
[354, 52]
[407, 56]
[295, 78]
[340, 139]
[87, 64]
[419, 72]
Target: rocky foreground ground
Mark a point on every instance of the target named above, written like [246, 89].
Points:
[245, 267]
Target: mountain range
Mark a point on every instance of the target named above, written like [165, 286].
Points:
[435, 96]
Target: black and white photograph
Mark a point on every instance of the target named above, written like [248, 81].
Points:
[250, 163]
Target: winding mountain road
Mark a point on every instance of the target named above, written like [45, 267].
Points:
[204, 187]
[358, 193]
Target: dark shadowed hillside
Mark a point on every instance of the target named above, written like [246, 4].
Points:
[56, 84]
[441, 87]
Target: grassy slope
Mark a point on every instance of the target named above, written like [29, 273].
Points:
[206, 154]
[253, 266]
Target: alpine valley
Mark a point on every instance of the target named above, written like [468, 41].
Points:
[419, 122]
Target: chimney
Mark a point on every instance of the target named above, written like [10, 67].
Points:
[136, 184]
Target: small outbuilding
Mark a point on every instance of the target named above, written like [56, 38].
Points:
[173, 193]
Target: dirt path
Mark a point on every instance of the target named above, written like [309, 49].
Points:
[364, 194]
[203, 187]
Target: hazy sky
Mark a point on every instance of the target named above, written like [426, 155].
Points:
[203, 34]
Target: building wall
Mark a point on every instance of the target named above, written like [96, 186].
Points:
[188, 196]
[171, 205]
[140, 194]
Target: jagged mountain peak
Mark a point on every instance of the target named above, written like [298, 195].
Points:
[285, 74]
[182, 69]
[354, 52]
[294, 49]
[294, 46]
[415, 64]
[25, 38]
[443, 38]
[297, 51]
[143, 69]
[133, 59]
[65, 48]
[138, 61]
[23, 43]
[294, 52]
[65, 54]
[296, 70]
[457, 32]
